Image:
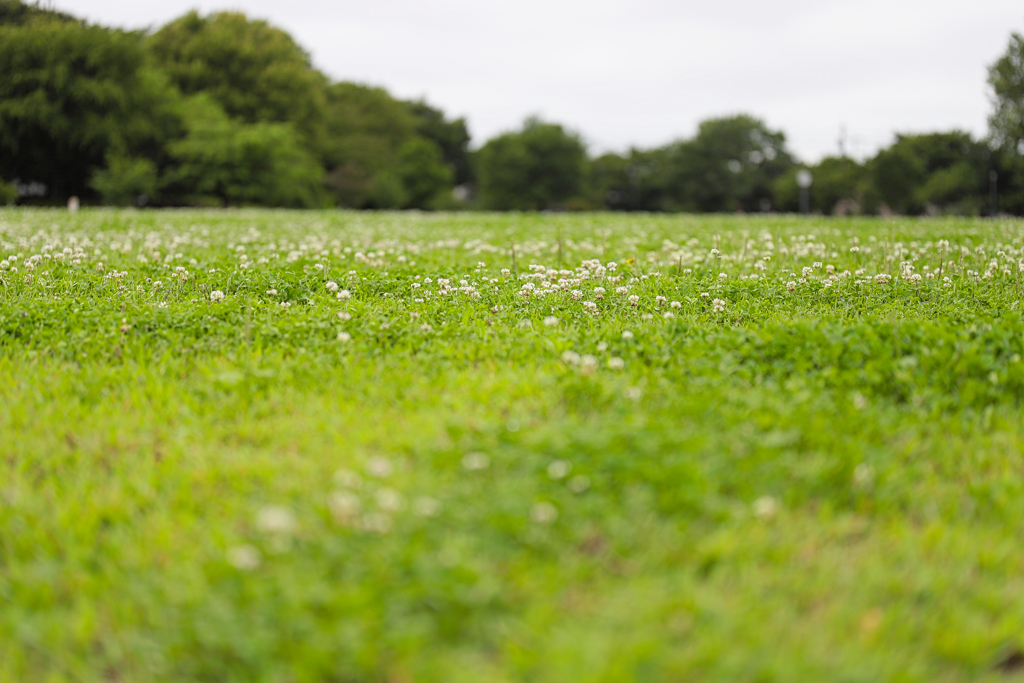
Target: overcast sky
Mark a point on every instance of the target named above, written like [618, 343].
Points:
[645, 72]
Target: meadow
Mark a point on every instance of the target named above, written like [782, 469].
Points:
[328, 446]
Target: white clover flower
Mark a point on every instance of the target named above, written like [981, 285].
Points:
[344, 506]
[559, 469]
[704, 295]
[244, 557]
[602, 346]
[550, 321]
[576, 295]
[570, 357]
[271, 292]
[543, 513]
[634, 300]
[626, 334]
[668, 315]
[379, 466]
[590, 307]
[344, 294]
[660, 300]
[276, 519]
[332, 286]
[216, 295]
[475, 461]
[588, 363]
[766, 508]
[616, 363]
[389, 500]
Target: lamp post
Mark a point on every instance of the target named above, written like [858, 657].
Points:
[803, 181]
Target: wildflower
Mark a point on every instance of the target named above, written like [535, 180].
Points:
[588, 363]
[332, 286]
[344, 294]
[634, 300]
[676, 304]
[559, 469]
[244, 557]
[475, 461]
[626, 334]
[704, 295]
[791, 286]
[345, 315]
[344, 506]
[276, 519]
[389, 499]
[379, 466]
[616, 363]
[590, 307]
[216, 295]
[765, 508]
[543, 513]
[550, 321]
[719, 305]
[271, 292]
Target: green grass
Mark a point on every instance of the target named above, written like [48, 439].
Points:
[821, 481]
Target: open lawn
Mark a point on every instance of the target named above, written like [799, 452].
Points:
[305, 447]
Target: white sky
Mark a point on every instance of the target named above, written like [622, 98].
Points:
[645, 72]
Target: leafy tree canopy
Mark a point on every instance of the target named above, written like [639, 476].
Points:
[1006, 77]
[539, 167]
[254, 71]
[730, 165]
[452, 137]
[70, 94]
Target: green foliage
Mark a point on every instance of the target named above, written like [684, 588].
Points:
[125, 180]
[730, 165]
[17, 13]
[8, 193]
[451, 137]
[70, 95]
[837, 188]
[366, 129]
[250, 445]
[540, 167]
[1006, 78]
[423, 173]
[937, 172]
[238, 163]
[254, 71]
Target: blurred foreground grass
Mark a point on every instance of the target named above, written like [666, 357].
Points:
[273, 446]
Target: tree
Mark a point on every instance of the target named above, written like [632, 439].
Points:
[423, 173]
[240, 163]
[18, 13]
[451, 137]
[257, 73]
[70, 95]
[365, 130]
[539, 167]
[731, 165]
[1006, 77]
[837, 180]
[933, 172]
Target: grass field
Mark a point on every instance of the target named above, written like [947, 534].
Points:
[304, 447]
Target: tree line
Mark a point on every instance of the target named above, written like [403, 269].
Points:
[224, 110]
